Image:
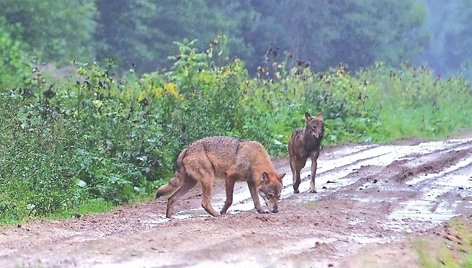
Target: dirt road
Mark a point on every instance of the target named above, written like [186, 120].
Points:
[370, 199]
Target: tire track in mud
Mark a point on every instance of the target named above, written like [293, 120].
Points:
[440, 190]
[414, 165]
[424, 189]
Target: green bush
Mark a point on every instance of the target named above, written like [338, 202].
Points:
[36, 171]
[12, 57]
[414, 102]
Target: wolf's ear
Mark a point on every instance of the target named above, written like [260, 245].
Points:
[281, 176]
[307, 116]
[320, 116]
[265, 178]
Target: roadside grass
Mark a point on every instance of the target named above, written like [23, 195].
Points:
[452, 246]
[90, 206]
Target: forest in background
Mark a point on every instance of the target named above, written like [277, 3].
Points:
[139, 35]
[146, 79]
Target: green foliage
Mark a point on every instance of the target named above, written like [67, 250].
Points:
[397, 36]
[444, 251]
[415, 102]
[448, 51]
[36, 174]
[202, 108]
[57, 31]
[140, 34]
[352, 32]
[13, 55]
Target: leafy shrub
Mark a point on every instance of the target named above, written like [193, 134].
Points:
[12, 57]
[36, 171]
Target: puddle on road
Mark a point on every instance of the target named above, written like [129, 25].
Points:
[425, 210]
[183, 215]
[361, 239]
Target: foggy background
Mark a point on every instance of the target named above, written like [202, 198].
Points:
[321, 33]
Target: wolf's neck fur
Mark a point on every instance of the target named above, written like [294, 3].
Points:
[310, 142]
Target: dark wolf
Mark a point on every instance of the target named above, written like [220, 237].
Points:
[306, 143]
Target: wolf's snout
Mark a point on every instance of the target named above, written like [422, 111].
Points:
[275, 208]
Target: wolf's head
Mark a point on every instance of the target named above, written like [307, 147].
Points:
[314, 125]
[270, 189]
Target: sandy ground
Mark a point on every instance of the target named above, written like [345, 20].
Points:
[372, 201]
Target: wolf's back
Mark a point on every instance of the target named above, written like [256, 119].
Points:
[219, 145]
[219, 151]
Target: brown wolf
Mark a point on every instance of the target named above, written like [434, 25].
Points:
[231, 159]
[306, 142]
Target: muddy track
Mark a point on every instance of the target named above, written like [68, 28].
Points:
[370, 199]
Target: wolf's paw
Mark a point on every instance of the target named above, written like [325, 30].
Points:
[263, 211]
[313, 191]
[296, 191]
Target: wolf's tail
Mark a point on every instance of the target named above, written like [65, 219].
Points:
[176, 181]
[169, 187]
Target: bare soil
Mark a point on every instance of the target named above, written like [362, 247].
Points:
[372, 202]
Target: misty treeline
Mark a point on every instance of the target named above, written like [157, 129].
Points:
[139, 34]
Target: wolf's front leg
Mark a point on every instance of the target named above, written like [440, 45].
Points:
[255, 197]
[229, 195]
[296, 175]
[314, 165]
[297, 164]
